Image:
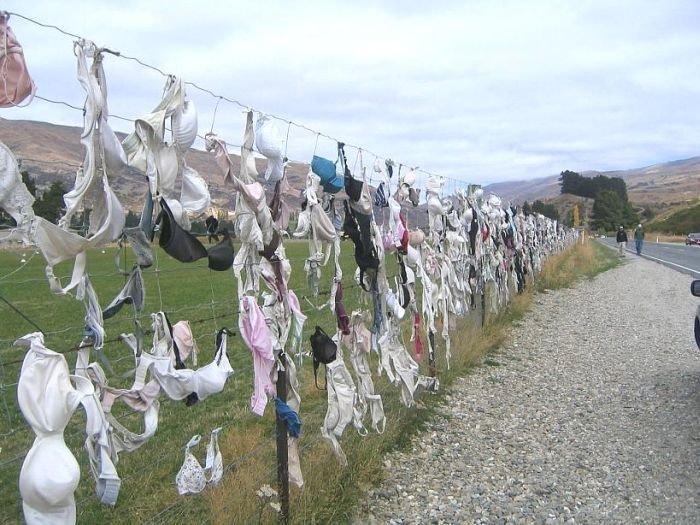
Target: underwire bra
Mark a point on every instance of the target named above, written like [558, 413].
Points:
[192, 477]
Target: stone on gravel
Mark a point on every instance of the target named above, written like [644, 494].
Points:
[589, 414]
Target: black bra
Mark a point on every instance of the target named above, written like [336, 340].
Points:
[221, 254]
[178, 243]
[353, 187]
[269, 250]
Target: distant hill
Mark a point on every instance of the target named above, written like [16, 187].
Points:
[669, 183]
[526, 190]
[51, 152]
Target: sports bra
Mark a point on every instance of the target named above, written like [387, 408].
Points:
[192, 477]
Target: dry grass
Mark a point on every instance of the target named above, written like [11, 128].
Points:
[226, 502]
[564, 269]
[664, 237]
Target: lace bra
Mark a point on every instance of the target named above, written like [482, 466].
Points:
[192, 478]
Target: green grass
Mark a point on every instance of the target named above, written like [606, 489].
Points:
[148, 494]
[680, 222]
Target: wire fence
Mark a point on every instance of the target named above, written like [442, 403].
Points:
[217, 98]
[209, 302]
[178, 508]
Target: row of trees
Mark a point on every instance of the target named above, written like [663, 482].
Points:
[611, 207]
[47, 204]
[548, 210]
[576, 184]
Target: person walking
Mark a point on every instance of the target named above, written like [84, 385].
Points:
[621, 240]
[212, 224]
[639, 238]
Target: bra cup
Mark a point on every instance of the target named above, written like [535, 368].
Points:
[184, 125]
[434, 204]
[217, 469]
[47, 490]
[332, 417]
[140, 245]
[253, 194]
[221, 255]
[322, 225]
[214, 461]
[190, 479]
[177, 242]
[211, 379]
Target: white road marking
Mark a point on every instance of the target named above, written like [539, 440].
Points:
[670, 263]
[631, 250]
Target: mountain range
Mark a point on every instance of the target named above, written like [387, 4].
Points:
[669, 183]
[52, 152]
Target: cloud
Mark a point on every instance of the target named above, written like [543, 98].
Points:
[478, 91]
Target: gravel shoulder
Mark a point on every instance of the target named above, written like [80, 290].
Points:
[588, 415]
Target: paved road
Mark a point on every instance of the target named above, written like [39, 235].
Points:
[685, 259]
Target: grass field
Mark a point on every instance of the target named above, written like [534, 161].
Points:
[209, 301]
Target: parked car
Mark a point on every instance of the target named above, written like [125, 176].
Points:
[693, 239]
[695, 290]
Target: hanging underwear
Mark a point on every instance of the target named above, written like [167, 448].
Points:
[180, 383]
[15, 198]
[357, 227]
[380, 199]
[140, 245]
[139, 236]
[47, 399]
[323, 349]
[363, 205]
[275, 203]
[178, 243]
[402, 282]
[343, 406]
[185, 341]
[269, 250]
[192, 477]
[289, 416]
[353, 187]
[221, 255]
[359, 343]
[132, 293]
[340, 312]
[414, 196]
[256, 335]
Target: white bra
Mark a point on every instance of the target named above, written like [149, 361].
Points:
[192, 478]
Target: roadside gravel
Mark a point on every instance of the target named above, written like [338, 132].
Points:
[588, 415]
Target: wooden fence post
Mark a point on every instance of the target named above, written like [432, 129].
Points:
[282, 452]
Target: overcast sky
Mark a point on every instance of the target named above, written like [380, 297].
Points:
[481, 91]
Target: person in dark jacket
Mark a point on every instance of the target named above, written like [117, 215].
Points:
[621, 240]
[212, 229]
[639, 239]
